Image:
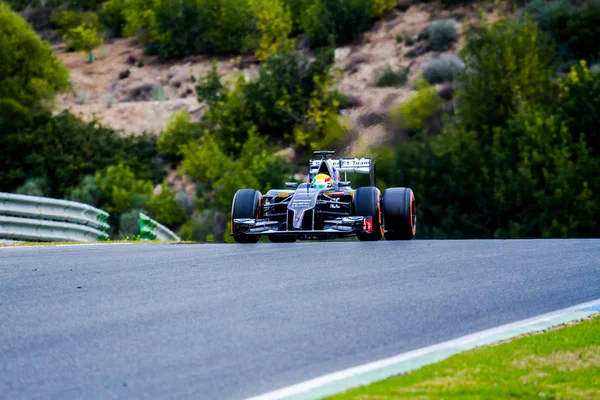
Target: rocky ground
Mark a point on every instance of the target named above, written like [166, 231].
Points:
[127, 90]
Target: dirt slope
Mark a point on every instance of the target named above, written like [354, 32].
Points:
[144, 99]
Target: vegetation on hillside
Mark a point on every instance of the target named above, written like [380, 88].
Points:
[517, 155]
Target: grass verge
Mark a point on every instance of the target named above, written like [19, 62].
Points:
[558, 364]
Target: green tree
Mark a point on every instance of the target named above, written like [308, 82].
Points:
[30, 72]
[274, 21]
[510, 66]
[545, 180]
[79, 30]
[255, 167]
[87, 192]
[164, 208]
[291, 100]
[63, 150]
[113, 16]
[413, 113]
[179, 132]
[121, 189]
[579, 105]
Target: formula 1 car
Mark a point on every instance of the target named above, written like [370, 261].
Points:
[328, 210]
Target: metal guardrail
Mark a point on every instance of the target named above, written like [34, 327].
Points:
[152, 230]
[44, 219]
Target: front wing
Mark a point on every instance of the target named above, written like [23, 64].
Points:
[338, 227]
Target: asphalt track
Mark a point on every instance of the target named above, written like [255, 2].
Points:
[233, 321]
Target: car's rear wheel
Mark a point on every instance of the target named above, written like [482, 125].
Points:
[282, 238]
[399, 214]
[246, 204]
[366, 202]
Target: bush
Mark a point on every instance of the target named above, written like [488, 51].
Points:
[121, 189]
[34, 187]
[545, 180]
[63, 150]
[510, 65]
[274, 21]
[575, 29]
[443, 68]
[392, 78]
[176, 29]
[30, 72]
[340, 20]
[413, 113]
[164, 208]
[78, 29]
[256, 167]
[128, 223]
[579, 105]
[87, 192]
[179, 132]
[290, 100]
[113, 16]
[442, 34]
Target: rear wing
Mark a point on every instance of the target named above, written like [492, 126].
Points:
[345, 165]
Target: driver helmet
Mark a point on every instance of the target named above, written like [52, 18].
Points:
[322, 181]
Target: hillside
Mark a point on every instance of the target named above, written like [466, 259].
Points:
[149, 94]
[489, 113]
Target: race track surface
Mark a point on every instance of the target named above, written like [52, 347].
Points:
[232, 321]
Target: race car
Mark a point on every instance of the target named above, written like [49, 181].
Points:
[325, 207]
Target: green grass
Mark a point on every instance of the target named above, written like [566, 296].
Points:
[558, 364]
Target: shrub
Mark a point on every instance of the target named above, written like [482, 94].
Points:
[87, 192]
[128, 223]
[113, 16]
[79, 30]
[158, 93]
[121, 189]
[392, 78]
[30, 72]
[274, 21]
[179, 132]
[579, 105]
[14, 118]
[199, 227]
[574, 28]
[414, 112]
[443, 68]
[34, 187]
[63, 150]
[255, 167]
[291, 99]
[124, 74]
[164, 209]
[442, 34]
[184, 27]
[510, 65]
[340, 20]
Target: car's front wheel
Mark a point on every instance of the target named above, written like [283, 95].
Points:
[246, 204]
[399, 214]
[366, 203]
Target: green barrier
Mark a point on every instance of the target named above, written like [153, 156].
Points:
[147, 226]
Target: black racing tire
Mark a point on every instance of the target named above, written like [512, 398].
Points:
[246, 204]
[282, 238]
[399, 214]
[367, 202]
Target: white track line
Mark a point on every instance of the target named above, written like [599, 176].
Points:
[363, 374]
